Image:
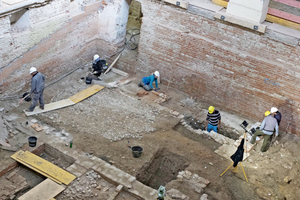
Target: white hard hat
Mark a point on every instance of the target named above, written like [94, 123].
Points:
[96, 56]
[32, 69]
[156, 73]
[274, 110]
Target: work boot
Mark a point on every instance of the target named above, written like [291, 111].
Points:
[42, 107]
[27, 110]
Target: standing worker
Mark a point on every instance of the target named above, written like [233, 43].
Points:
[266, 129]
[147, 82]
[277, 114]
[37, 88]
[213, 120]
[99, 66]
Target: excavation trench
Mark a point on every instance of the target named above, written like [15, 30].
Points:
[162, 168]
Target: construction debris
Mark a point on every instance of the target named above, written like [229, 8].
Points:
[142, 93]
[37, 127]
[161, 97]
[119, 83]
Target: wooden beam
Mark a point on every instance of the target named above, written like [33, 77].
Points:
[292, 3]
[269, 18]
[220, 3]
[283, 22]
[284, 15]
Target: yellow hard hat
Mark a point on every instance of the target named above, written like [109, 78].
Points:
[267, 113]
[211, 109]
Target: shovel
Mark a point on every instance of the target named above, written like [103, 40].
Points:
[24, 97]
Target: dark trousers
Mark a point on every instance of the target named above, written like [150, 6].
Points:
[267, 138]
[37, 96]
[145, 86]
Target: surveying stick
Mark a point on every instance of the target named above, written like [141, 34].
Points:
[226, 169]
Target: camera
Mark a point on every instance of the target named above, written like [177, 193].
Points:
[244, 125]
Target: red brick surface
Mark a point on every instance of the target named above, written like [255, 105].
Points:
[227, 66]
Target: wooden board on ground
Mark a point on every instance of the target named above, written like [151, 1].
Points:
[51, 106]
[43, 165]
[35, 169]
[46, 190]
[86, 93]
[67, 102]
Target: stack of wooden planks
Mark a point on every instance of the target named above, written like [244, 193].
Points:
[276, 16]
[43, 167]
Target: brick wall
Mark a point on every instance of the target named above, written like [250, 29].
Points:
[223, 65]
[55, 37]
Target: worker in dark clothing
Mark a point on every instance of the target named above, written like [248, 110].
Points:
[99, 66]
[37, 89]
[213, 119]
[277, 114]
[147, 82]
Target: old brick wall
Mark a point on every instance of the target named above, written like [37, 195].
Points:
[227, 66]
[54, 37]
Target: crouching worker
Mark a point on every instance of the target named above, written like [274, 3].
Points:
[99, 66]
[147, 82]
[266, 129]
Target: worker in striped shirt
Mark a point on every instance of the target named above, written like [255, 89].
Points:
[213, 119]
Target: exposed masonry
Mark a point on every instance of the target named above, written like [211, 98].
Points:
[221, 64]
[58, 37]
[231, 67]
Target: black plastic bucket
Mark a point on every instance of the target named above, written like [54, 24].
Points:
[32, 141]
[27, 98]
[137, 151]
[88, 80]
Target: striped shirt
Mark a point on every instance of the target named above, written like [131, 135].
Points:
[213, 118]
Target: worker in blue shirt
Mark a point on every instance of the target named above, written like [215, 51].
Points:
[147, 82]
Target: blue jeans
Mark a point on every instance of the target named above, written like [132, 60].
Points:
[211, 127]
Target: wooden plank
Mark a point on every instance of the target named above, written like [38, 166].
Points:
[51, 106]
[293, 3]
[45, 166]
[284, 15]
[46, 190]
[269, 18]
[220, 3]
[117, 71]
[33, 168]
[283, 22]
[86, 93]
[112, 64]
[182, 4]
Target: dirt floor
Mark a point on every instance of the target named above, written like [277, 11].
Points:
[105, 124]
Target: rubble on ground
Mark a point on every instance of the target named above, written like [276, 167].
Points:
[125, 117]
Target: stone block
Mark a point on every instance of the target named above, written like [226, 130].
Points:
[119, 188]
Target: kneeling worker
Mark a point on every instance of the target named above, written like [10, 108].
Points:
[99, 66]
[213, 120]
[147, 82]
[266, 129]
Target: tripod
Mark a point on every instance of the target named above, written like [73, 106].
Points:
[238, 156]
[235, 170]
